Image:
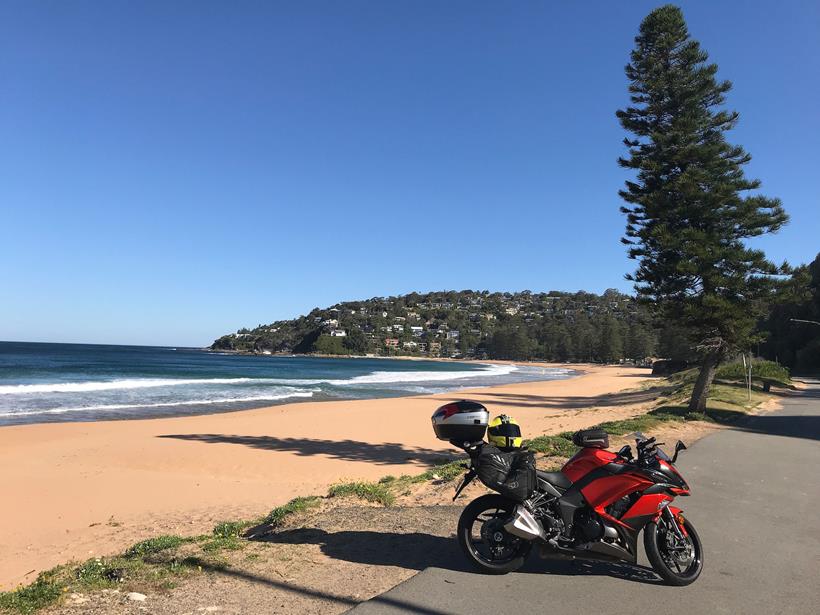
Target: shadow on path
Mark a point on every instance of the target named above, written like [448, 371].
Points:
[417, 551]
[806, 427]
[408, 607]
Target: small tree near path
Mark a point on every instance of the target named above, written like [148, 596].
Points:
[690, 208]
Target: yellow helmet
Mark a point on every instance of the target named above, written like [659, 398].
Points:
[504, 432]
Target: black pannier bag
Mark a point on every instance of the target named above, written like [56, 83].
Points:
[512, 474]
[591, 438]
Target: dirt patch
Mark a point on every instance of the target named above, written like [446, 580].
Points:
[336, 558]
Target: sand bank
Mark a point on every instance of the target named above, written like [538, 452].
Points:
[76, 490]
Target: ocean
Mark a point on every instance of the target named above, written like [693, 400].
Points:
[84, 382]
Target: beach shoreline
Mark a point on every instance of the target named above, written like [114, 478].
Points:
[81, 489]
[153, 383]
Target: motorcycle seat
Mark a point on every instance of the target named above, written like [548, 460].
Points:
[556, 479]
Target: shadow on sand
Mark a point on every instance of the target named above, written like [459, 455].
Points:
[624, 398]
[350, 450]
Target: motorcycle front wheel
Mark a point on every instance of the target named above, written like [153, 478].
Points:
[678, 561]
[485, 542]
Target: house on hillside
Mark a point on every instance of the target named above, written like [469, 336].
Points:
[391, 342]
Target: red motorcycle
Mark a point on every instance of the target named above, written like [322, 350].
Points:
[594, 508]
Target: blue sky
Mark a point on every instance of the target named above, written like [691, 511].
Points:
[173, 171]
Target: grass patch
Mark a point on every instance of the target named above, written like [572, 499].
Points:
[231, 529]
[372, 492]
[555, 446]
[445, 472]
[42, 592]
[220, 543]
[277, 516]
[99, 572]
[155, 545]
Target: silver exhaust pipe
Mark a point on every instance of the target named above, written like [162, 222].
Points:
[524, 525]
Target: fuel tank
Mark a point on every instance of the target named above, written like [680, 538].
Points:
[585, 461]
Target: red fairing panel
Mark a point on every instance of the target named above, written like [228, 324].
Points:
[586, 460]
[604, 491]
[646, 505]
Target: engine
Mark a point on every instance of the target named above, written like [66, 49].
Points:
[550, 521]
[588, 524]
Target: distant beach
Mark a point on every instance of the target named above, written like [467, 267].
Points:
[79, 382]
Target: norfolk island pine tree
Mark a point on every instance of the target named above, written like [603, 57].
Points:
[690, 207]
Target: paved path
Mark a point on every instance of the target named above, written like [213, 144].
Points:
[755, 503]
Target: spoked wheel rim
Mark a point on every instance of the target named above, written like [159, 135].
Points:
[489, 541]
[680, 554]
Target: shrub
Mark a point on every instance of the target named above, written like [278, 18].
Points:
[765, 370]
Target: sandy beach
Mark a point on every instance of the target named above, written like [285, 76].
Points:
[76, 490]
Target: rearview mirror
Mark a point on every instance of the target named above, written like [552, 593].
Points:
[679, 446]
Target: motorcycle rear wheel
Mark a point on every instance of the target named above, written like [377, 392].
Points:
[488, 546]
[664, 556]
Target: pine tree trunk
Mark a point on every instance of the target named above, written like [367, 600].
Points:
[700, 393]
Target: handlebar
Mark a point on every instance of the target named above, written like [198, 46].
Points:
[642, 444]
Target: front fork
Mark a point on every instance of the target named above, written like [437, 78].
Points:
[674, 518]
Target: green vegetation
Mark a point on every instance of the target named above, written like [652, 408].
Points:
[230, 529]
[372, 492]
[554, 446]
[151, 563]
[553, 326]
[277, 516]
[445, 472]
[37, 595]
[761, 370]
[791, 329]
[690, 209]
[155, 545]
[550, 326]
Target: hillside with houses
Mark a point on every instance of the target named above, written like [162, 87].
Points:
[553, 326]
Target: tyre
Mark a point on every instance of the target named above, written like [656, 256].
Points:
[483, 539]
[678, 561]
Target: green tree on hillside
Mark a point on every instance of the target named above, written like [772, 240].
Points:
[611, 347]
[793, 337]
[640, 342]
[689, 209]
[356, 341]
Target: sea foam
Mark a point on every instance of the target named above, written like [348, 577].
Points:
[377, 377]
[190, 402]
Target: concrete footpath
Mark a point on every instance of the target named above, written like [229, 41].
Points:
[755, 504]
